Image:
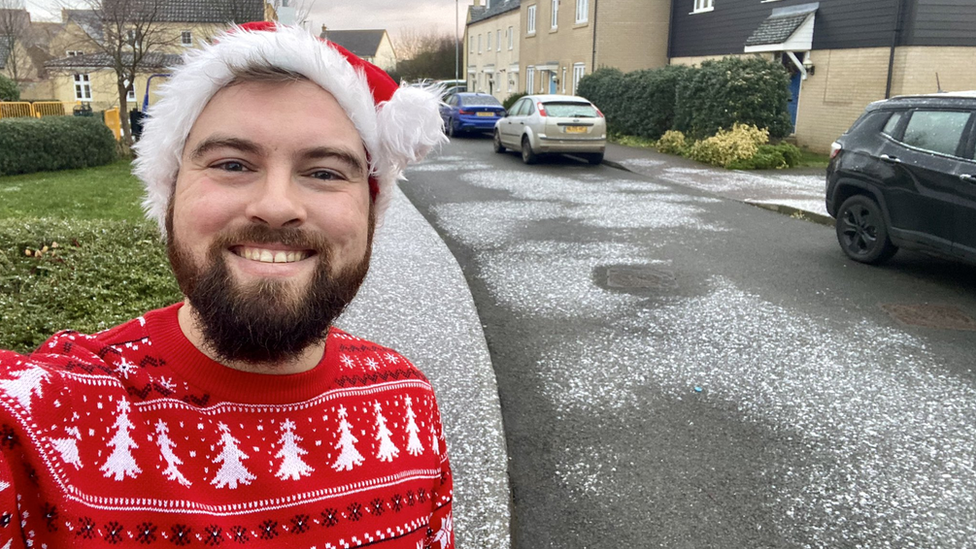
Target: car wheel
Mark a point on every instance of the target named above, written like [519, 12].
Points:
[451, 132]
[497, 143]
[528, 156]
[862, 232]
[594, 158]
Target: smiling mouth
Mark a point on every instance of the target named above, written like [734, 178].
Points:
[264, 255]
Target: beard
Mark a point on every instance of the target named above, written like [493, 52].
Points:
[267, 321]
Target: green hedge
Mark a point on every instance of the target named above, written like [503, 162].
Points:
[511, 99]
[99, 274]
[8, 89]
[606, 88]
[51, 143]
[734, 90]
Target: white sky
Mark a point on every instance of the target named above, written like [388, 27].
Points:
[396, 16]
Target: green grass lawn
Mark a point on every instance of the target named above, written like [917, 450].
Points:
[76, 252]
[104, 192]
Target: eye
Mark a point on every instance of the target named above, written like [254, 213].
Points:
[326, 175]
[231, 166]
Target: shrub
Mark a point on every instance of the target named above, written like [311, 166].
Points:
[100, 274]
[507, 103]
[791, 153]
[728, 146]
[743, 90]
[769, 157]
[605, 88]
[647, 104]
[672, 142]
[54, 143]
[8, 89]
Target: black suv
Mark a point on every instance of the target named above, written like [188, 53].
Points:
[904, 176]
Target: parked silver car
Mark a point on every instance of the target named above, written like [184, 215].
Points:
[543, 124]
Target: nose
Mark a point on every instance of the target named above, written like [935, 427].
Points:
[275, 201]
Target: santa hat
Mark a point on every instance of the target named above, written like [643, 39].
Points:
[398, 125]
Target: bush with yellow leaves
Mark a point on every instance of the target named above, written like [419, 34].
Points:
[727, 147]
[672, 142]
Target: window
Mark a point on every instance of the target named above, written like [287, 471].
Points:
[498, 40]
[892, 124]
[186, 38]
[479, 43]
[703, 5]
[130, 94]
[555, 13]
[471, 45]
[936, 131]
[82, 88]
[579, 69]
[530, 80]
[582, 11]
[530, 20]
[74, 53]
[511, 38]
[489, 41]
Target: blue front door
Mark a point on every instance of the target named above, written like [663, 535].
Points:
[794, 98]
[552, 82]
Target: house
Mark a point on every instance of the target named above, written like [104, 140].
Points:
[842, 55]
[373, 45]
[83, 65]
[563, 40]
[23, 52]
[491, 48]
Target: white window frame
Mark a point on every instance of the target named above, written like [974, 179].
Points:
[488, 48]
[83, 91]
[511, 38]
[582, 11]
[579, 71]
[479, 43]
[75, 53]
[530, 80]
[498, 40]
[130, 94]
[530, 20]
[555, 14]
[186, 38]
[702, 6]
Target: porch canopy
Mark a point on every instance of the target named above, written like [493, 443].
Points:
[786, 29]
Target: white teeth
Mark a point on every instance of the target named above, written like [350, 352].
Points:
[269, 256]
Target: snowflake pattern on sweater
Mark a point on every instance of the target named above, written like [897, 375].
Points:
[133, 438]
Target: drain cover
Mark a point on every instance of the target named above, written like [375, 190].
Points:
[945, 317]
[633, 277]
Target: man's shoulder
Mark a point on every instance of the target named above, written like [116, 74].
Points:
[363, 359]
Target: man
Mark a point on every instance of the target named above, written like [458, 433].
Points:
[241, 416]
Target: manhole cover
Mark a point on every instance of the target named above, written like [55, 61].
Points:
[640, 277]
[945, 317]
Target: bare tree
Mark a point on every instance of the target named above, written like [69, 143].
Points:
[14, 32]
[425, 55]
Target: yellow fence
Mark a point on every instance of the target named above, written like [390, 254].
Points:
[38, 109]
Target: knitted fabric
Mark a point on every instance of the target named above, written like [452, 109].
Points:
[134, 438]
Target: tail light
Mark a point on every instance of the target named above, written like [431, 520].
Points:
[465, 111]
[835, 149]
[542, 108]
[598, 111]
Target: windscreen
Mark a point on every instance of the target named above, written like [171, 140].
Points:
[570, 110]
[479, 101]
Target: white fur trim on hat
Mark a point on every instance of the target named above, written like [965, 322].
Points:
[395, 132]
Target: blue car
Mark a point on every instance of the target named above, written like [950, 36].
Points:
[470, 112]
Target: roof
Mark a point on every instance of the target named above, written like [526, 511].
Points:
[88, 20]
[152, 60]
[171, 11]
[498, 7]
[363, 43]
[778, 27]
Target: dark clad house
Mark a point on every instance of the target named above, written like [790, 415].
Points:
[843, 54]
[373, 45]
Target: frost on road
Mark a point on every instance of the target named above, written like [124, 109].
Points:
[888, 437]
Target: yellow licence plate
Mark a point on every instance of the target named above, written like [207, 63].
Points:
[486, 114]
[575, 129]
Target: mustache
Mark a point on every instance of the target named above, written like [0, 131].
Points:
[293, 237]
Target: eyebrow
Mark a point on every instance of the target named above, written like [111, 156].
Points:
[250, 147]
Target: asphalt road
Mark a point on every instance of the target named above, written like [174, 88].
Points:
[681, 370]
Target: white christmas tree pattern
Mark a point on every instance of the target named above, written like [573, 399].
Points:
[387, 450]
[435, 446]
[443, 535]
[166, 446]
[68, 447]
[292, 465]
[413, 441]
[232, 471]
[121, 463]
[24, 384]
[349, 457]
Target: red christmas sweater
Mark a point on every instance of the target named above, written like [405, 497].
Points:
[133, 438]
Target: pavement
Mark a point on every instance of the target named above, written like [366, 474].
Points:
[416, 300]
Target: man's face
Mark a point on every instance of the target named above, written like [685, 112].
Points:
[270, 223]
